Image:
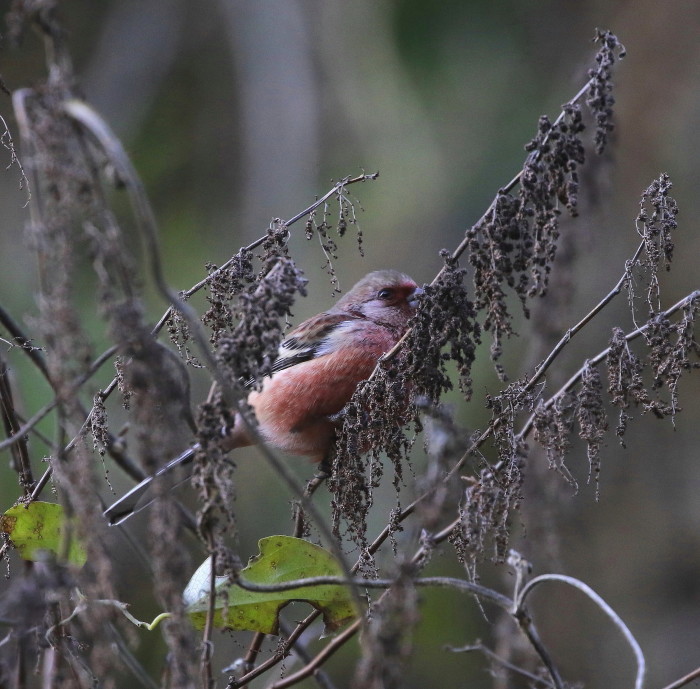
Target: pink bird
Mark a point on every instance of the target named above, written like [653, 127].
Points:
[318, 368]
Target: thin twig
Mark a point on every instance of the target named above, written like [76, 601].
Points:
[8, 144]
[48, 408]
[22, 341]
[494, 657]
[207, 646]
[542, 368]
[530, 632]
[335, 190]
[361, 582]
[311, 667]
[279, 656]
[687, 679]
[28, 425]
[11, 423]
[320, 677]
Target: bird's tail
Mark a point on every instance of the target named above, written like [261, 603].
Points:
[141, 495]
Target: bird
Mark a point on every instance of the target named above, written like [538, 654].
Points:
[298, 406]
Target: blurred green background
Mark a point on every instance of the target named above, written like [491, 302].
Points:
[239, 112]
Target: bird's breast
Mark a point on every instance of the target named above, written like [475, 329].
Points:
[293, 406]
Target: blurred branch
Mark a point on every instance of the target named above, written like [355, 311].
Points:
[11, 423]
[494, 657]
[687, 679]
[46, 409]
[23, 342]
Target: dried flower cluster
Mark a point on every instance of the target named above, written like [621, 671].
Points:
[496, 491]
[374, 423]
[599, 98]
[655, 224]
[443, 330]
[346, 214]
[248, 351]
[515, 243]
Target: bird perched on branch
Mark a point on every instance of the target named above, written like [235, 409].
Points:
[318, 368]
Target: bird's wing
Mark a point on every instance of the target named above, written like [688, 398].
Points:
[313, 338]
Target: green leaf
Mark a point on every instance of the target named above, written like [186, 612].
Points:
[281, 558]
[41, 526]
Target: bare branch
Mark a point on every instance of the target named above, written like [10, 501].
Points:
[687, 679]
[494, 657]
[8, 144]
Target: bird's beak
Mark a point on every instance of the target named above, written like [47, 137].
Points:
[415, 297]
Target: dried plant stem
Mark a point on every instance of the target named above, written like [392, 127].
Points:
[11, 424]
[465, 242]
[633, 335]
[479, 647]
[278, 657]
[542, 368]
[321, 678]
[207, 646]
[334, 191]
[22, 341]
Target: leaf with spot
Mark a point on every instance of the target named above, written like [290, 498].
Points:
[42, 526]
[281, 559]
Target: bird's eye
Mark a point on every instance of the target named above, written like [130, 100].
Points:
[385, 293]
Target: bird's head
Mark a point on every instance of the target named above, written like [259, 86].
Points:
[385, 296]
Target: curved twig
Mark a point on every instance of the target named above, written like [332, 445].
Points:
[361, 582]
[584, 588]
